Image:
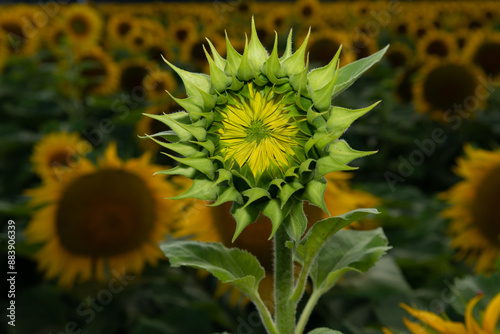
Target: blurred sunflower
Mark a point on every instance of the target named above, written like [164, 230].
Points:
[98, 70]
[20, 31]
[83, 26]
[183, 31]
[445, 85]
[133, 72]
[156, 49]
[475, 224]
[58, 153]
[195, 54]
[278, 19]
[324, 45]
[101, 219]
[484, 51]
[4, 51]
[118, 26]
[157, 82]
[433, 323]
[399, 55]
[436, 43]
[210, 224]
[137, 41]
[307, 11]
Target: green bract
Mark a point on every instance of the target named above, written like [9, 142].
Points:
[261, 131]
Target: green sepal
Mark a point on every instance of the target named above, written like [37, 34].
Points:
[347, 250]
[257, 53]
[255, 194]
[179, 123]
[287, 190]
[218, 79]
[283, 88]
[182, 148]
[245, 71]
[229, 265]
[329, 164]
[299, 83]
[316, 118]
[198, 161]
[295, 63]
[228, 194]
[341, 118]
[319, 234]
[343, 153]
[272, 68]
[200, 189]
[319, 76]
[193, 105]
[219, 61]
[208, 145]
[351, 72]
[322, 97]
[244, 216]
[314, 193]
[288, 49]
[168, 135]
[296, 222]
[233, 58]
[209, 100]
[183, 170]
[192, 81]
[273, 210]
[224, 175]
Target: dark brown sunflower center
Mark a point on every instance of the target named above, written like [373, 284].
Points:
[79, 25]
[307, 11]
[487, 57]
[106, 213]
[485, 206]
[132, 77]
[438, 48]
[449, 85]
[63, 158]
[124, 28]
[181, 35]
[396, 59]
[323, 50]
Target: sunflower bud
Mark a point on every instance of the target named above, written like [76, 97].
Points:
[261, 130]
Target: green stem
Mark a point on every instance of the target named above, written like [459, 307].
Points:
[265, 315]
[283, 283]
[306, 313]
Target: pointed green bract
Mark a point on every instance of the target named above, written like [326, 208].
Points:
[261, 131]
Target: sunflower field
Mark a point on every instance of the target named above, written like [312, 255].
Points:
[91, 95]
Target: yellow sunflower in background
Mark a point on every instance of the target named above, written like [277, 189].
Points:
[434, 324]
[157, 82]
[83, 26]
[475, 223]
[307, 11]
[118, 26]
[183, 31]
[137, 41]
[484, 51]
[444, 88]
[101, 220]
[156, 49]
[436, 43]
[57, 154]
[194, 53]
[132, 74]
[278, 19]
[4, 51]
[399, 55]
[22, 35]
[214, 224]
[99, 71]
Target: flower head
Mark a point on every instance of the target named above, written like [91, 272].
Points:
[260, 131]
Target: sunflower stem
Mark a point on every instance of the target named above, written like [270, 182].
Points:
[301, 284]
[306, 313]
[283, 283]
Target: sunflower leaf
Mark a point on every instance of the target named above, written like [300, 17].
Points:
[315, 194]
[296, 222]
[229, 265]
[351, 72]
[347, 250]
[323, 230]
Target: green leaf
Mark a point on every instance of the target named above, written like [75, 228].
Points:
[296, 222]
[324, 331]
[315, 194]
[233, 266]
[347, 250]
[319, 234]
[351, 72]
